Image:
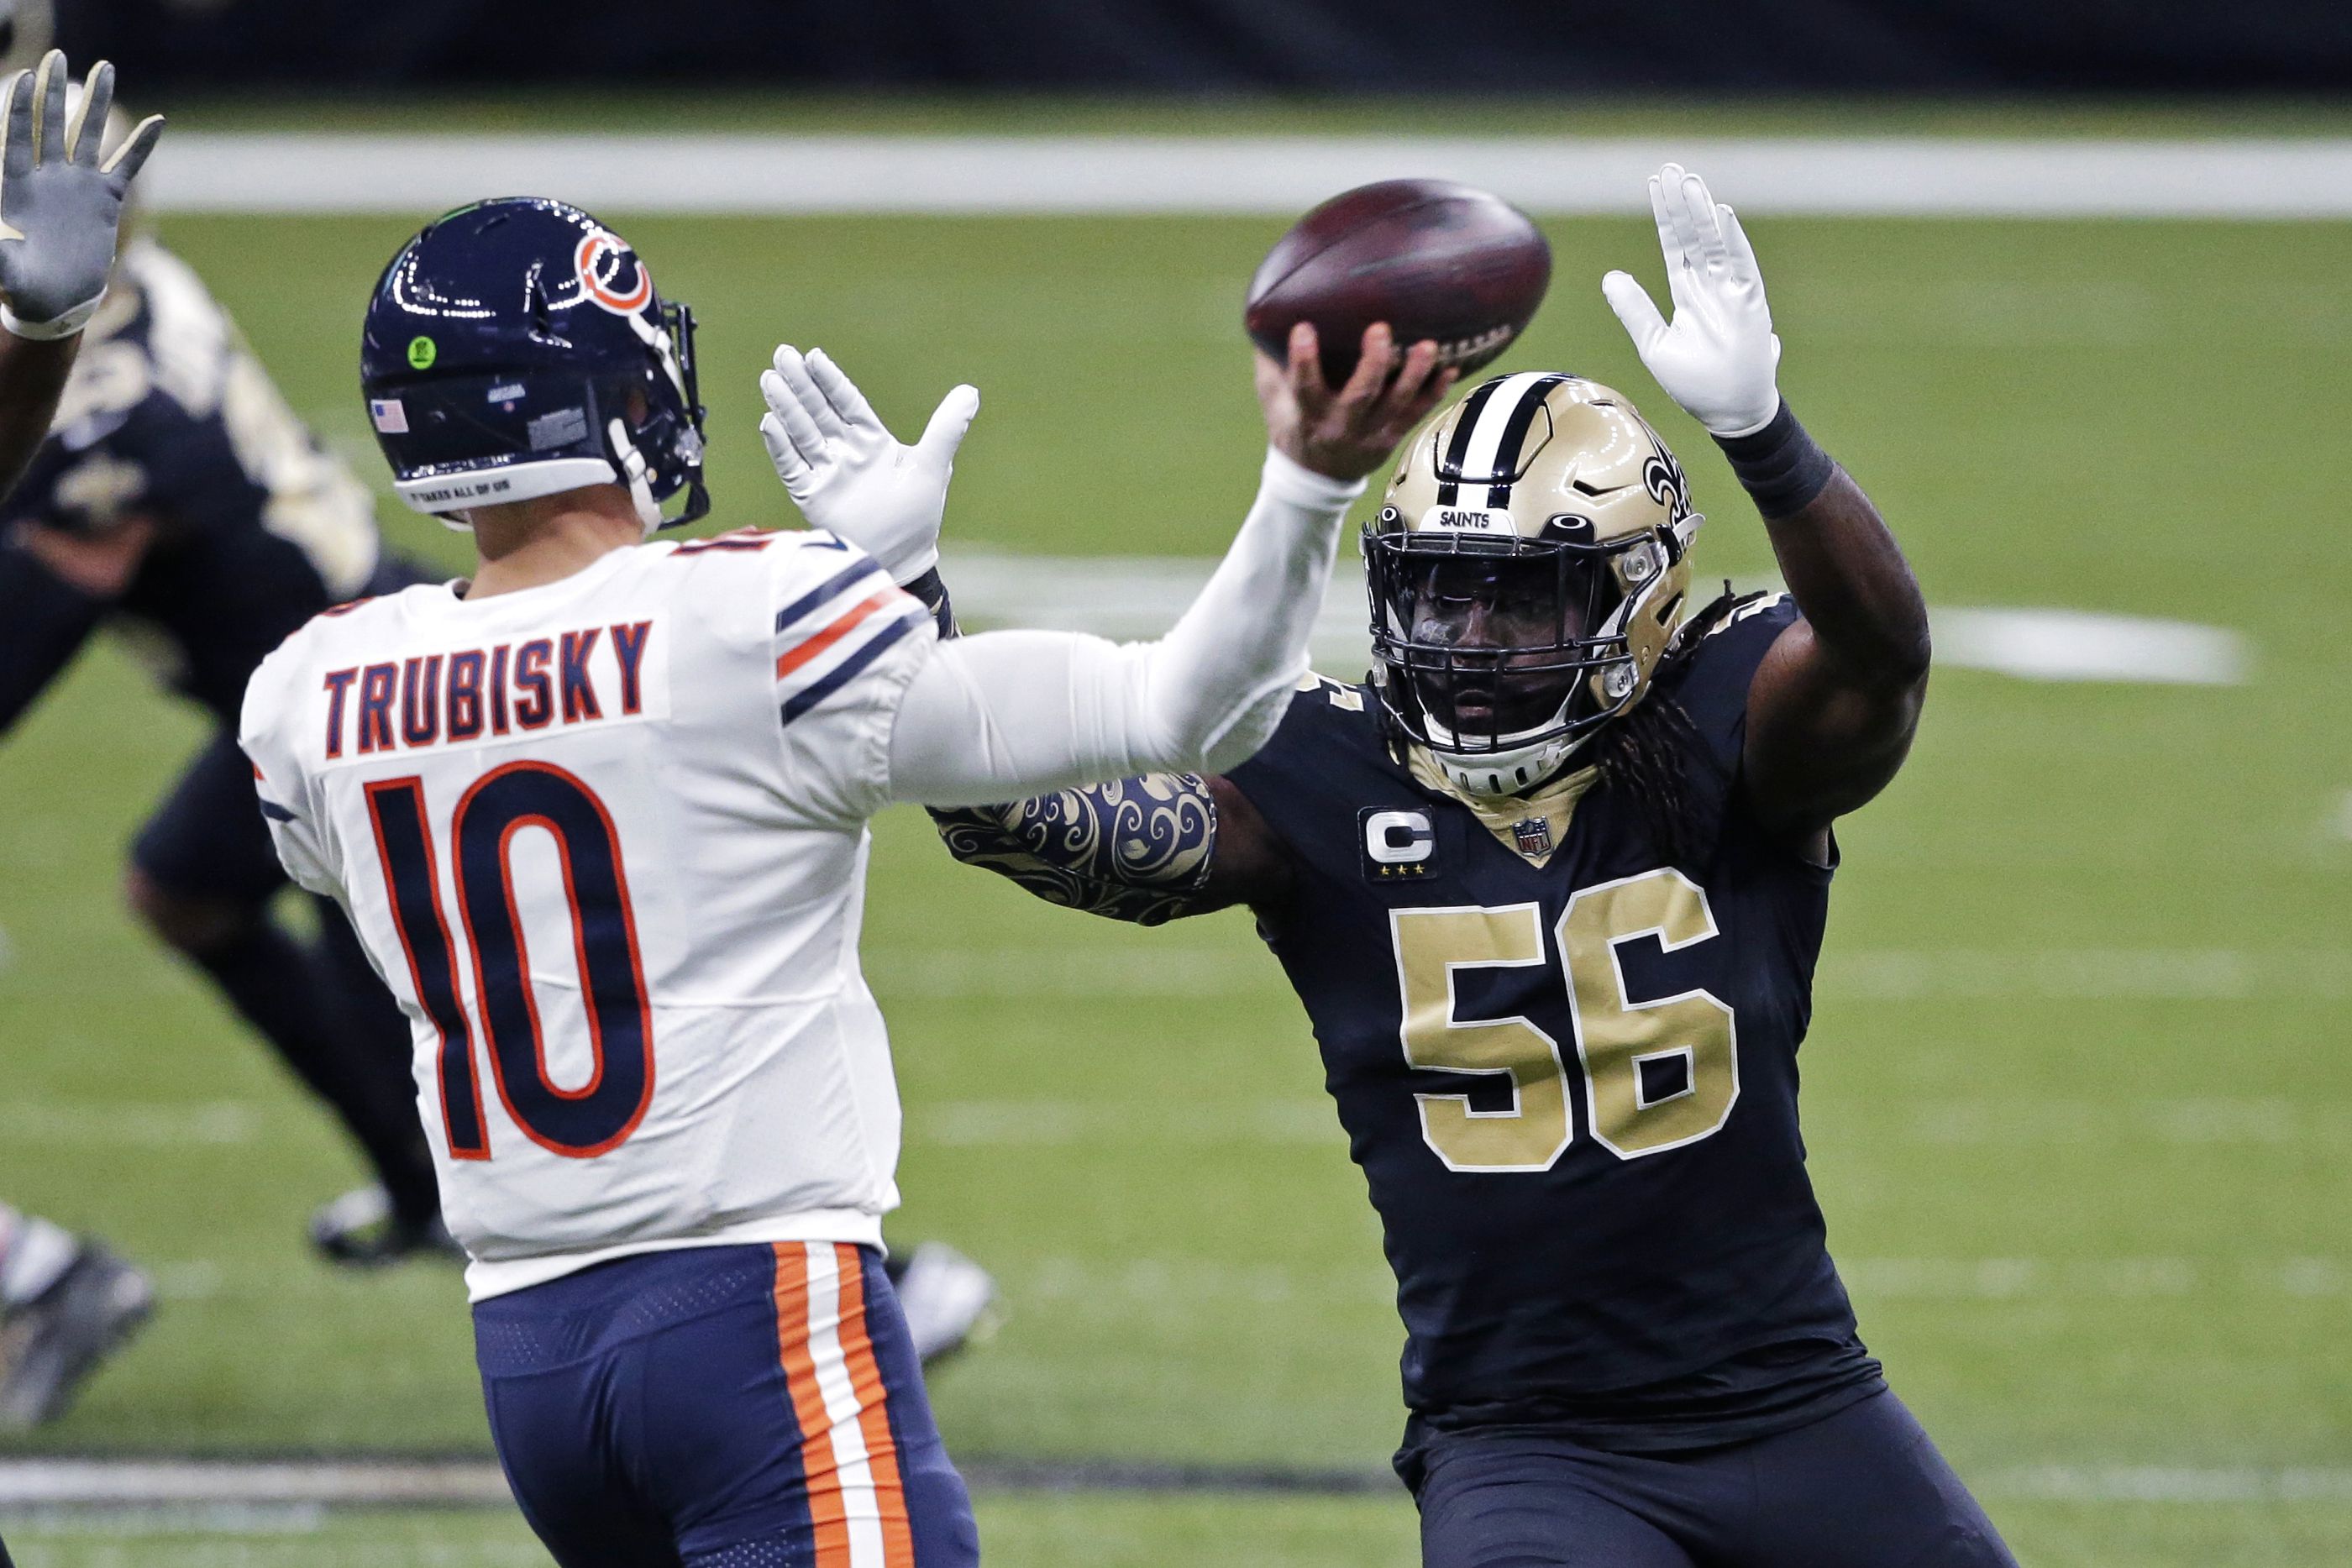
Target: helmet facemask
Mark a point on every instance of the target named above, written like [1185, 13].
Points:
[1505, 655]
[1526, 576]
[673, 430]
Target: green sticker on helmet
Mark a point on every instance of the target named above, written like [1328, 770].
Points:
[422, 352]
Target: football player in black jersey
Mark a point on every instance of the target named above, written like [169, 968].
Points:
[65, 1300]
[177, 499]
[1552, 886]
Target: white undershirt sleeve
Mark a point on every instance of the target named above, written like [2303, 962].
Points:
[1007, 714]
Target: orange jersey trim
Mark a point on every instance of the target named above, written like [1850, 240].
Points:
[832, 634]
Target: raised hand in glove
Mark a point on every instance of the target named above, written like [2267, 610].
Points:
[846, 472]
[1718, 358]
[61, 202]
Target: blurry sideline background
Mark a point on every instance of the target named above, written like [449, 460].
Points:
[1576, 48]
[2077, 1095]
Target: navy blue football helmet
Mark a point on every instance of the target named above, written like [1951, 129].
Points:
[516, 349]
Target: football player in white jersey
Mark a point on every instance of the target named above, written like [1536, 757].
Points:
[599, 815]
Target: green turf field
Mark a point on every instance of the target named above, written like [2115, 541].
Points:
[2077, 1095]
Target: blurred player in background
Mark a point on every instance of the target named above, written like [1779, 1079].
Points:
[1556, 942]
[64, 1302]
[179, 500]
[600, 812]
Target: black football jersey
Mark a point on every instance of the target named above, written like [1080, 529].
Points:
[1568, 1066]
[168, 416]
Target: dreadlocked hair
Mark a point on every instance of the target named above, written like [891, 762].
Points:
[1648, 754]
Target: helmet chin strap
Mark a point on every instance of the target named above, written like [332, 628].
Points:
[1493, 774]
[632, 469]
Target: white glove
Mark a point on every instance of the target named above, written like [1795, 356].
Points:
[1718, 358]
[61, 202]
[846, 471]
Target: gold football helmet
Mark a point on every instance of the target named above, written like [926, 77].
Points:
[1527, 572]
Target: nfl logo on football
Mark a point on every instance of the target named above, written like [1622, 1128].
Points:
[1533, 835]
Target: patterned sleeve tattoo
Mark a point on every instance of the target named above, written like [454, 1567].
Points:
[1139, 850]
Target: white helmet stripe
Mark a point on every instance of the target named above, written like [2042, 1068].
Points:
[1484, 456]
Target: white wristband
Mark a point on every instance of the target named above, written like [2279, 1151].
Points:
[64, 326]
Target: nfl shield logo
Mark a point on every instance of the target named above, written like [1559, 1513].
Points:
[1533, 835]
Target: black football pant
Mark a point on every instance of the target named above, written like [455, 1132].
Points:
[1861, 1489]
[320, 1003]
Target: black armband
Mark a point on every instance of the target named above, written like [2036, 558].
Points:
[932, 590]
[1782, 467]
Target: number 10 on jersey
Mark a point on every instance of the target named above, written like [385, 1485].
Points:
[581, 1121]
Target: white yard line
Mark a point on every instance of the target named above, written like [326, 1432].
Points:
[2323, 1127]
[2086, 974]
[2078, 645]
[2074, 1122]
[358, 1483]
[218, 1123]
[2169, 1483]
[137, 1496]
[410, 174]
[1142, 596]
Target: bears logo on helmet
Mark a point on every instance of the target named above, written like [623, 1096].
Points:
[517, 348]
[606, 246]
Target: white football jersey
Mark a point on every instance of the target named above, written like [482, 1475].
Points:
[606, 841]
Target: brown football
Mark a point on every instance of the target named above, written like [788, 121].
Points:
[1432, 259]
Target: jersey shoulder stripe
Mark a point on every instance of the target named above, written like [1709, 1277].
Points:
[752, 540]
[880, 622]
[854, 575]
[269, 808]
[813, 647]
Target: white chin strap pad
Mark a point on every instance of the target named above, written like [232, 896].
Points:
[634, 468]
[1508, 769]
[1498, 773]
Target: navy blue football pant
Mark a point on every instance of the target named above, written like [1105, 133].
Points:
[722, 1407]
[1861, 1489]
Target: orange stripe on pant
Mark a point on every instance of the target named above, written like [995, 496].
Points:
[830, 1524]
[873, 1414]
[799, 1348]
